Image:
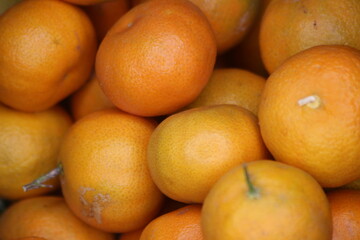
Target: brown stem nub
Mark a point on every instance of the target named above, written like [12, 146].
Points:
[38, 183]
[253, 193]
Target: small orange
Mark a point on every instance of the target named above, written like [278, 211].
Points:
[89, 98]
[105, 14]
[266, 200]
[47, 217]
[47, 51]
[156, 58]
[29, 145]
[190, 150]
[289, 27]
[184, 223]
[232, 86]
[345, 211]
[309, 114]
[105, 179]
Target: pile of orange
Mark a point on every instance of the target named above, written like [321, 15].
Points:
[179, 119]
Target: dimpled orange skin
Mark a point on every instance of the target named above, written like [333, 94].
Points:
[47, 51]
[232, 86]
[322, 139]
[183, 223]
[48, 217]
[190, 150]
[105, 180]
[157, 58]
[289, 27]
[29, 144]
[345, 211]
[290, 205]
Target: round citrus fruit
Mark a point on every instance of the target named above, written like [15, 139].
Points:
[289, 27]
[190, 150]
[156, 58]
[309, 114]
[47, 51]
[29, 145]
[105, 179]
[184, 223]
[266, 200]
[48, 217]
[232, 86]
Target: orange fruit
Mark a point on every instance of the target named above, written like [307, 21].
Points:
[183, 223]
[309, 113]
[345, 211]
[229, 19]
[190, 150]
[105, 178]
[29, 145]
[266, 200]
[46, 57]
[289, 27]
[232, 86]
[105, 14]
[163, 70]
[47, 217]
[134, 235]
[88, 99]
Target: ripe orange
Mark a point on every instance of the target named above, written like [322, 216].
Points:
[289, 27]
[89, 98]
[266, 200]
[47, 51]
[232, 86]
[183, 223]
[29, 145]
[345, 211]
[105, 14]
[190, 150]
[157, 58]
[47, 217]
[309, 113]
[105, 180]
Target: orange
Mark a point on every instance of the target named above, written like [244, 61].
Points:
[289, 27]
[247, 53]
[183, 223]
[190, 150]
[229, 19]
[266, 200]
[47, 217]
[134, 235]
[29, 145]
[89, 98]
[156, 58]
[345, 211]
[232, 86]
[105, 14]
[105, 179]
[309, 113]
[47, 51]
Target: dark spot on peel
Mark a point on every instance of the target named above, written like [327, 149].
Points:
[315, 24]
